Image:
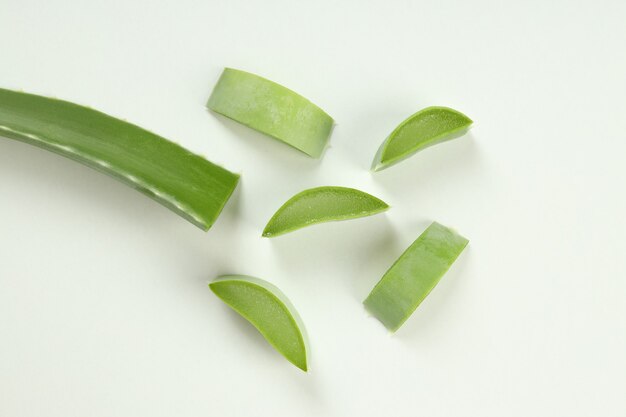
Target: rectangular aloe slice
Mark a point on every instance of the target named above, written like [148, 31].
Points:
[411, 278]
[272, 109]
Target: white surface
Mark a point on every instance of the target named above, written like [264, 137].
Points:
[104, 308]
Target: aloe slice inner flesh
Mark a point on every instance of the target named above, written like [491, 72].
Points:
[411, 278]
[425, 128]
[182, 181]
[322, 204]
[267, 309]
[271, 109]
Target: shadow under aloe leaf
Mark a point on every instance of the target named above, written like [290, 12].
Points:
[268, 147]
[447, 159]
[337, 243]
[377, 256]
[36, 168]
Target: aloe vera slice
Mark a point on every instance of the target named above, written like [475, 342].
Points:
[425, 128]
[269, 310]
[411, 278]
[322, 204]
[186, 183]
[271, 109]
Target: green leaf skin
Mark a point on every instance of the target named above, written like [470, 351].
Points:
[269, 310]
[186, 183]
[271, 109]
[411, 278]
[322, 204]
[425, 128]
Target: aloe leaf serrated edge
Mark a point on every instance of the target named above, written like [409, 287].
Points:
[180, 180]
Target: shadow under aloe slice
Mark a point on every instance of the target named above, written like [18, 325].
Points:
[425, 128]
[412, 277]
[272, 109]
[267, 309]
[180, 180]
[322, 204]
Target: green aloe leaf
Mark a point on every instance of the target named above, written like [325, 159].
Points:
[411, 278]
[271, 109]
[269, 310]
[322, 204]
[186, 183]
[425, 128]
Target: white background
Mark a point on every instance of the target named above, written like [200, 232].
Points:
[104, 307]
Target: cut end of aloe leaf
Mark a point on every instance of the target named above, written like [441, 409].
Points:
[322, 204]
[425, 128]
[269, 310]
[180, 180]
[272, 109]
[412, 277]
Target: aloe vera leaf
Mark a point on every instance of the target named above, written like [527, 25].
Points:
[186, 183]
[322, 204]
[411, 278]
[271, 109]
[269, 310]
[425, 128]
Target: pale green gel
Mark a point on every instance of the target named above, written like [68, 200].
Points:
[322, 204]
[269, 310]
[425, 128]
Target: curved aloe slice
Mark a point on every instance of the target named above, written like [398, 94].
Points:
[322, 204]
[269, 310]
[425, 128]
[272, 109]
[411, 278]
[186, 183]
